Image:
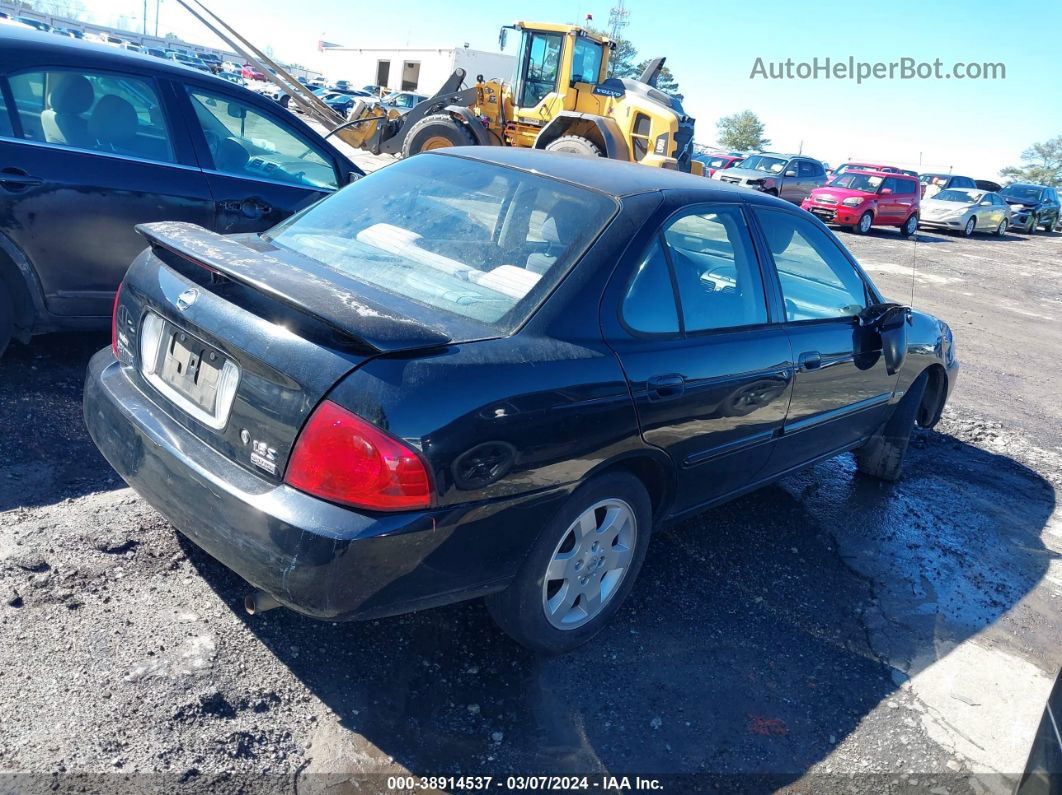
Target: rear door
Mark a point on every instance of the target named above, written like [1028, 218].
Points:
[260, 166]
[708, 368]
[87, 155]
[841, 387]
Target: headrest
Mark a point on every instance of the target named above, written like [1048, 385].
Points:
[72, 94]
[113, 121]
[231, 155]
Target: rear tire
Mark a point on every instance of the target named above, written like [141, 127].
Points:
[7, 317]
[523, 610]
[575, 144]
[1001, 230]
[910, 226]
[882, 455]
[435, 132]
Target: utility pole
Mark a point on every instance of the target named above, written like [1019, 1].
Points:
[157, 18]
[145, 18]
[617, 20]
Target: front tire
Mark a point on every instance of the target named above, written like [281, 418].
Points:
[866, 220]
[882, 455]
[575, 144]
[968, 230]
[1033, 223]
[435, 132]
[581, 568]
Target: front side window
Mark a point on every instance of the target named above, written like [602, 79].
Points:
[817, 280]
[473, 239]
[890, 184]
[716, 272]
[96, 112]
[586, 62]
[542, 66]
[769, 165]
[244, 142]
[806, 168]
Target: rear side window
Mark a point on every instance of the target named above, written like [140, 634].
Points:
[5, 118]
[649, 306]
[906, 186]
[716, 272]
[818, 281]
[100, 112]
[246, 143]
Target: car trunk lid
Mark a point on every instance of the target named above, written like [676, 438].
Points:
[240, 346]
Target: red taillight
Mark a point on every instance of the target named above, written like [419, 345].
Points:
[114, 322]
[341, 457]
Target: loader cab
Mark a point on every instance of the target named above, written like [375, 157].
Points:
[553, 62]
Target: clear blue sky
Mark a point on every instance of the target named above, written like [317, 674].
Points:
[975, 126]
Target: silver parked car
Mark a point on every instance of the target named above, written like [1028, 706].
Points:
[966, 210]
[790, 177]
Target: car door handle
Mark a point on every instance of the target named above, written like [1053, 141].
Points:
[666, 387]
[249, 208]
[810, 360]
[15, 179]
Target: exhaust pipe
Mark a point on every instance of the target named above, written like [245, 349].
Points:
[258, 602]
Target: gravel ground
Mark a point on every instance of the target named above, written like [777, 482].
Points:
[828, 633]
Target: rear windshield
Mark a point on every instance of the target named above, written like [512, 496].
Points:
[481, 241]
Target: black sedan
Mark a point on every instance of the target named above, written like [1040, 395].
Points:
[96, 139]
[493, 372]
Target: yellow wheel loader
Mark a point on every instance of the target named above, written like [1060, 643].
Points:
[560, 99]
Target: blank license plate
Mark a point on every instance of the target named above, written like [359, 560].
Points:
[191, 367]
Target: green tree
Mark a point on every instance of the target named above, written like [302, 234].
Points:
[621, 61]
[742, 131]
[1041, 164]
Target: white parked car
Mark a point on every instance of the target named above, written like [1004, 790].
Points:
[966, 210]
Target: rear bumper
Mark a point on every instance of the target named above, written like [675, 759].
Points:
[317, 558]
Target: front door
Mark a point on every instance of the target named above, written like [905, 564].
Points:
[90, 154]
[842, 387]
[709, 372]
[260, 169]
[539, 70]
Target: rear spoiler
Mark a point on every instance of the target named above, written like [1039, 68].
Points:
[302, 289]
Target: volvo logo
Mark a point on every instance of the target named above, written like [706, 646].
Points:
[187, 298]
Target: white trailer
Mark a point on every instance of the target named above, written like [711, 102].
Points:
[412, 68]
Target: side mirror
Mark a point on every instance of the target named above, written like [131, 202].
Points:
[790, 173]
[985, 202]
[890, 321]
[885, 191]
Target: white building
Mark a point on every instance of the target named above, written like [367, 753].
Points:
[413, 69]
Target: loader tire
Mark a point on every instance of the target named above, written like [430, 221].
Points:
[435, 132]
[575, 144]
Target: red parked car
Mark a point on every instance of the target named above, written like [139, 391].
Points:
[248, 72]
[846, 167]
[862, 199]
[713, 162]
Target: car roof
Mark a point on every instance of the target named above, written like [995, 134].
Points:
[876, 173]
[88, 53]
[1024, 185]
[613, 177]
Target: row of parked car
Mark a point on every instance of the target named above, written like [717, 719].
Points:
[859, 196]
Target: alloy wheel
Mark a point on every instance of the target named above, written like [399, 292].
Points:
[865, 222]
[969, 230]
[589, 563]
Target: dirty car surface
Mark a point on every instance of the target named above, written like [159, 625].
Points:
[492, 374]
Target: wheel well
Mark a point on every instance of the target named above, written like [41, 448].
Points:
[653, 475]
[21, 299]
[581, 127]
[933, 399]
